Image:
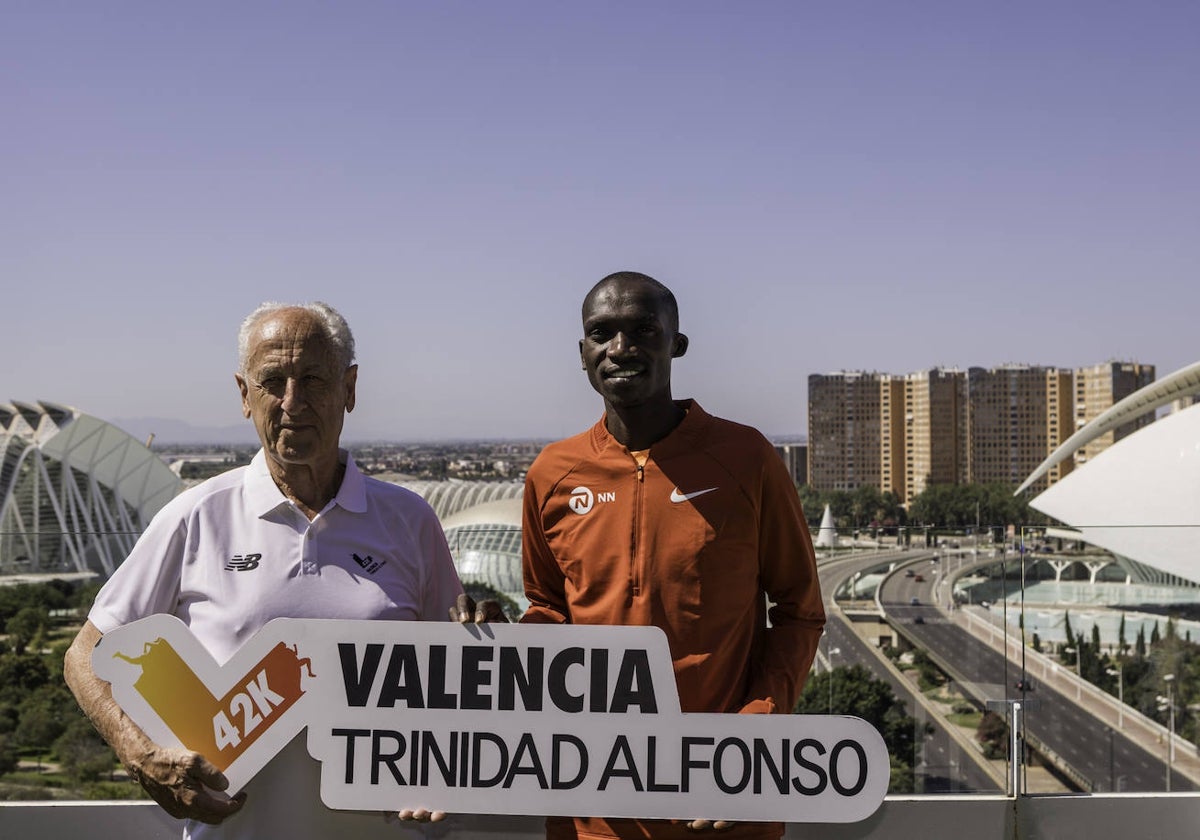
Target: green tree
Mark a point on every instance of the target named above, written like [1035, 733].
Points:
[82, 752]
[866, 503]
[45, 714]
[8, 754]
[960, 506]
[813, 502]
[993, 735]
[855, 692]
[25, 626]
[20, 674]
[930, 676]
[46, 596]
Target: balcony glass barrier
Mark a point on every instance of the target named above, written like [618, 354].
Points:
[994, 660]
[1030, 660]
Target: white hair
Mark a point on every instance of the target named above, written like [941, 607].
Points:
[337, 331]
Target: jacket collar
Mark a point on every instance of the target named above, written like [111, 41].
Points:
[682, 438]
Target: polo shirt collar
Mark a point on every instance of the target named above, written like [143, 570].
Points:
[263, 496]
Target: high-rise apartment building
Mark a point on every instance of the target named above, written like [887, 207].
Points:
[944, 426]
[1098, 388]
[935, 430]
[1019, 414]
[855, 431]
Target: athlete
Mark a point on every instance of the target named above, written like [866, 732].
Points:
[664, 515]
[282, 537]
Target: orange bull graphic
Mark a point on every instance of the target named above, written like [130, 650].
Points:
[219, 729]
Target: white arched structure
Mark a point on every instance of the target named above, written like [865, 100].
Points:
[1183, 382]
[75, 491]
[1140, 498]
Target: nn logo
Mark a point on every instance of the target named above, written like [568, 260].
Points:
[583, 499]
[243, 563]
[369, 564]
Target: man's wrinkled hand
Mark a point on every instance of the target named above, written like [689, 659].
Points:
[487, 611]
[186, 785]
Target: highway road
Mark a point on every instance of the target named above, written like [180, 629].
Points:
[1105, 758]
[943, 765]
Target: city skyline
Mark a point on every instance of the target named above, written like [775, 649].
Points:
[825, 188]
[171, 431]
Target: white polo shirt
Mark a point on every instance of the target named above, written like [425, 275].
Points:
[229, 555]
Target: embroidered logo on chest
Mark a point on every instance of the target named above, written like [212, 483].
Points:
[369, 564]
[243, 563]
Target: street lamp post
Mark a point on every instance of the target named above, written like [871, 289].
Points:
[1168, 704]
[1119, 673]
[832, 651]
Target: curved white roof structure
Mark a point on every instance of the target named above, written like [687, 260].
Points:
[449, 497]
[75, 491]
[1183, 382]
[482, 521]
[1140, 498]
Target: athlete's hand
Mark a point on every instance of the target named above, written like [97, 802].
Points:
[420, 815]
[186, 785]
[710, 825]
[466, 611]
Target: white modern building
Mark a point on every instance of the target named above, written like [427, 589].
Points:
[1140, 497]
[75, 491]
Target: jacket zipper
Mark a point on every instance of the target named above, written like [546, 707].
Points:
[635, 570]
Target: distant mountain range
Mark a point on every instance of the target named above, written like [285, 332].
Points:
[167, 430]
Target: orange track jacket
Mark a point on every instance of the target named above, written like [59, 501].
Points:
[691, 543]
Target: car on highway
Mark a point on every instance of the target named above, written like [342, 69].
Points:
[914, 601]
[919, 578]
[909, 573]
[1023, 685]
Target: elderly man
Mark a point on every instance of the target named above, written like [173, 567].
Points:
[297, 519]
[664, 515]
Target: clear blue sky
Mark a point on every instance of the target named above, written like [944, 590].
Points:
[881, 186]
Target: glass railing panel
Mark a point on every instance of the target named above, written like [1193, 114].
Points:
[1028, 642]
[960, 634]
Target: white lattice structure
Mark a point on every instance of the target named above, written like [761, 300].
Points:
[75, 491]
[482, 521]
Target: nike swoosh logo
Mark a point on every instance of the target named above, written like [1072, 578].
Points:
[678, 497]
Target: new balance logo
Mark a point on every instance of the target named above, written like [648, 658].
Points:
[243, 563]
[368, 563]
